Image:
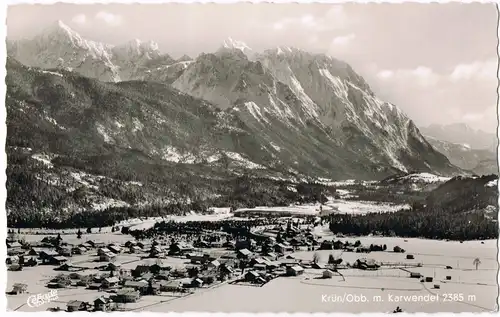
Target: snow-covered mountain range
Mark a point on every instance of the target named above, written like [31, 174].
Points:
[461, 133]
[479, 161]
[283, 109]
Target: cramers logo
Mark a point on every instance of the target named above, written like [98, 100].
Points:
[41, 299]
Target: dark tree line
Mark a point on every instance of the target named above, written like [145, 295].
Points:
[432, 224]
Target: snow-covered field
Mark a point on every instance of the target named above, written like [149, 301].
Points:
[425, 178]
[305, 293]
[333, 205]
[362, 207]
[478, 288]
[219, 214]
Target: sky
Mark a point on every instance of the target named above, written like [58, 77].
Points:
[437, 62]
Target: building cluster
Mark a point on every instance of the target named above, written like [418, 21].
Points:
[253, 259]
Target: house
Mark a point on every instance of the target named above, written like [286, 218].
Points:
[152, 289]
[260, 267]
[58, 260]
[86, 245]
[273, 265]
[271, 255]
[201, 259]
[251, 276]
[110, 282]
[216, 244]
[156, 251]
[349, 248]
[103, 304]
[328, 273]
[245, 244]
[288, 262]
[34, 251]
[201, 244]
[366, 264]
[47, 255]
[410, 257]
[282, 248]
[297, 242]
[214, 264]
[31, 261]
[196, 282]
[294, 270]
[94, 286]
[255, 261]
[116, 249]
[179, 249]
[60, 281]
[76, 305]
[171, 286]
[12, 259]
[415, 275]
[130, 243]
[14, 245]
[244, 254]
[19, 288]
[112, 267]
[78, 250]
[136, 285]
[107, 257]
[140, 270]
[64, 267]
[126, 295]
[135, 249]
[184, 248]
[227, 269]
[102, 251]
[162, 275]
[65, 251]
[15, 251]
[159, 266]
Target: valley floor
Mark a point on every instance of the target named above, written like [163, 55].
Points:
[473, 290]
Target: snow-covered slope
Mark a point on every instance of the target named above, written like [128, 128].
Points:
[313, 95]
[481, 162]
[284, 108]
[461, 133]
[58, 46]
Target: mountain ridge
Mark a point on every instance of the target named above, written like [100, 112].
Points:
[275, 94]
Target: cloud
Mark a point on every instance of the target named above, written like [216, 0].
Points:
[278, 26]
[480, 116]
[79, 19]
[479, 70]
[385, 74]
[428, 96]
[343, 40]
[334, 19]
[424, 76]
[109, 18]
[308, 21]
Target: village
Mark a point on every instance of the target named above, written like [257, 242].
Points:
[173, 262]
